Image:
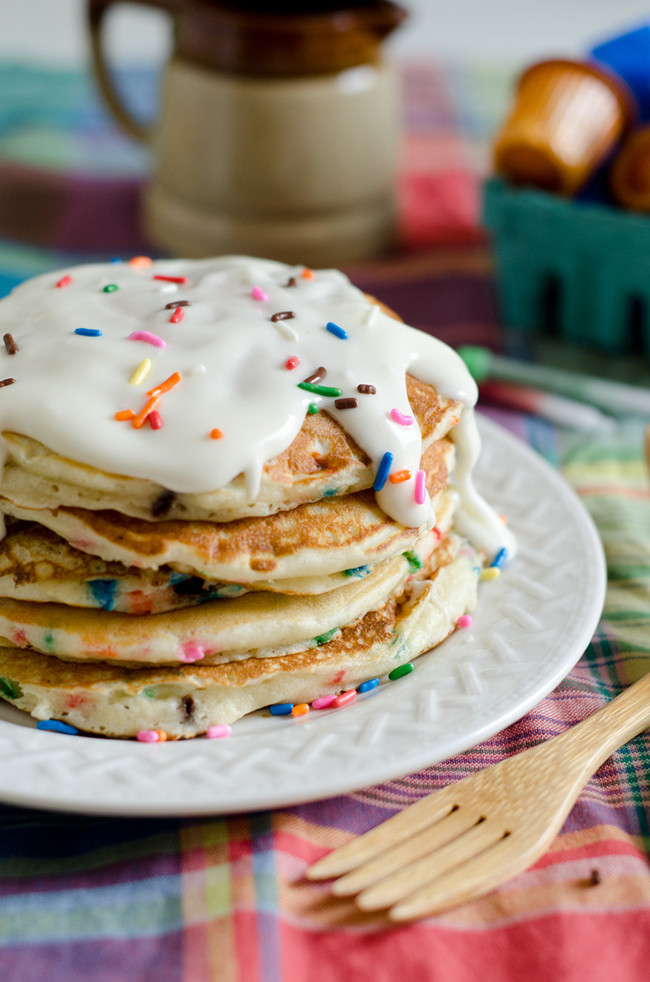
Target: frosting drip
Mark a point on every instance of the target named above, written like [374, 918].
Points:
[239, 370]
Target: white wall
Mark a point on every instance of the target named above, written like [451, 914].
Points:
[52, 31]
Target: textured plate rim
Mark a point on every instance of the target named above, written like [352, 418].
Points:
[400, 729]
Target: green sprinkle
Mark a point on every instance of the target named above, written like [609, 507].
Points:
[110, 288]
[48, 640]
[324, 638]
[414, 561]
[319, 390]
[313, 408]
[401, 670]
[149, 692]
[10, 688]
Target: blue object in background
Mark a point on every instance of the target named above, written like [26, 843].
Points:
[628, 55]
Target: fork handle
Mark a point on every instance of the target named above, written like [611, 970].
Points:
[596, 738]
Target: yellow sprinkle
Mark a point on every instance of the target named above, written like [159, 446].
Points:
[141, 372]
[491, 573]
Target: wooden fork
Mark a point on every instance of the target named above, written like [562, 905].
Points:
[465, 840]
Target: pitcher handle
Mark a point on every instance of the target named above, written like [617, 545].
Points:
[96, 11]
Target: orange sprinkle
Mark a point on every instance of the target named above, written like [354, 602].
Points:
[399, 476]
[140, 261]
[125, 414]
[216, 433]
[300, 709]
[165, 386]
[138, 421]
[307, 274]
[162, 736]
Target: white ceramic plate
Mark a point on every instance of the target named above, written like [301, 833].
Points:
[531, 626]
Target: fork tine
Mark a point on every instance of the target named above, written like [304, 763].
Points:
[474, 878]
[417, 876]
[394, 830]
[448, 828]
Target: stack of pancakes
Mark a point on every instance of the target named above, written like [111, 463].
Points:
[127, 605]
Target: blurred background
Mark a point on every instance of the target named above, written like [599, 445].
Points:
[52, 32]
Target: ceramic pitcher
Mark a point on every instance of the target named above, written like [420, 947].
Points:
[277, 133]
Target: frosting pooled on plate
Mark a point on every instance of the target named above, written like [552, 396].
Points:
[189, 373]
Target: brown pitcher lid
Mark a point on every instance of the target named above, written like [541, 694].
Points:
[248, 39]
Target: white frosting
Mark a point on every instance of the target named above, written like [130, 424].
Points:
[232, 360]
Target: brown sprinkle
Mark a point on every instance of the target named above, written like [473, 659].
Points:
[7, 381]
[292, 281]
[10, 344]
[283, 315]
[595, 877]
[316, 376]
[367, 390]
[350, 403]
[162, 504]
[177, 303]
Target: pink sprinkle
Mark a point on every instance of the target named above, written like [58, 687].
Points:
[64, 281]
[171, 279]
[192, 651]
[155, 420]
[148, 736]
[148, 337]
[220, 730]
[402, 418]
[323, 701]
[177, 316]
[420, 487]
[292, 363]
[257, 293]
[344, 699]
[464, 621]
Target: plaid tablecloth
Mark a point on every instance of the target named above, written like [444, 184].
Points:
[99, 900]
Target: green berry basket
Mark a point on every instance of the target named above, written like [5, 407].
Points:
[575, 269]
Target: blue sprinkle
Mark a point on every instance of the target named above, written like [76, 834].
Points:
[330, 492]
[281, 709]
[382, 471]
[500, 558]
[56, 726]
[116, 259]
[176, 577]
[103, 592]
[337, 331]
[358, 571]
[367, 686]
[88, 332]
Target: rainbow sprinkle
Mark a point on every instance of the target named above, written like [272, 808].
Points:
[56, 726]
[420, 495]
[148, 337]
[170, 279]
[64, 281]
[218, 731]
[337, 331]
[88, 332]
[382, 471]
[257, 293]
[141, 372]
[402, 418]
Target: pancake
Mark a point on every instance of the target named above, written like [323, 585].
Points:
[183, 702]
[314, 539]
[284, 508]
[216, 631]
[37, 565]
[321, 460]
